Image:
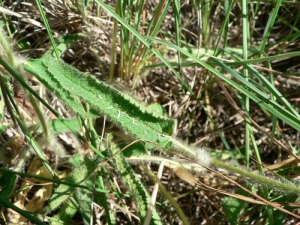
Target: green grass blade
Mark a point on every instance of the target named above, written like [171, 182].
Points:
[146, 43]
[157, 18]
[177, 30]
[246, 105]
[260, 98]
[45, 20]
[269, 26]
[270, 87]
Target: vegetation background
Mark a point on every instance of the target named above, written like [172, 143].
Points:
[210, 112]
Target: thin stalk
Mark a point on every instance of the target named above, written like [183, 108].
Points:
[171, 199]
[44, 18]
[113, 47]
[39, 114]
[245, 72]
[286, 187]
[177, 31]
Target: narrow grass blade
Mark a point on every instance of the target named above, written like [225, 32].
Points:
[259, 97]
[146, 43]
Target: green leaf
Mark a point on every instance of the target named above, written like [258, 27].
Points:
[7, 184]
[136, 149]
[66, 41]
[158, 109]
[65, 214]
[56, 126]
[138, 191]
[64, 191]
[83, 201]
[74, 87]
[233, 207]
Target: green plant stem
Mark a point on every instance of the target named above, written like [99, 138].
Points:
[33, 219]
[5, 94]
[277, 185]
[39, 114]
[248, 129]
[171, 199]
